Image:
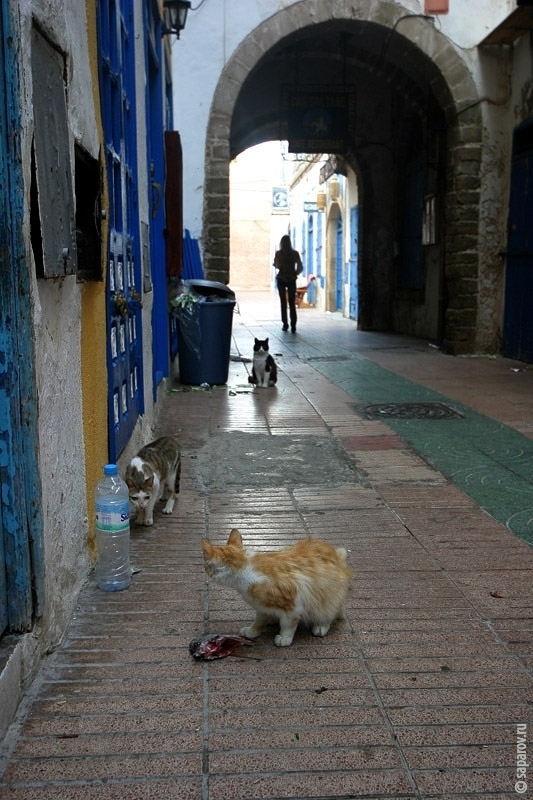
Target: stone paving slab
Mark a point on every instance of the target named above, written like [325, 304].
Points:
[417, 694]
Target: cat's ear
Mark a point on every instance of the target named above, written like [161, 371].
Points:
[266, 341]
[207, 549]
[256, 340]
[235, 538]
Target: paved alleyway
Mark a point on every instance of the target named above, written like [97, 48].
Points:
[422, 692]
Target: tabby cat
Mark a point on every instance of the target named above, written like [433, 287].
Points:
[154, 474]
[264, 369]
[306, 582]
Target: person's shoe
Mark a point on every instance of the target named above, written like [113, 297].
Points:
[293, 329]
[285, 328]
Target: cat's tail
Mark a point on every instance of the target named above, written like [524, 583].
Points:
[343, 555]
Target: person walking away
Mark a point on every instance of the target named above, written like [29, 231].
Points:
[289, 265]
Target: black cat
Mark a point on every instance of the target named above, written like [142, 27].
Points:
[264, 369]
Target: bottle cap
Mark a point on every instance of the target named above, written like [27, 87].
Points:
[110, 469]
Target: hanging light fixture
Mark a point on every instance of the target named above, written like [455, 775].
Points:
[175, 12]
[334, 188]
[321, 200]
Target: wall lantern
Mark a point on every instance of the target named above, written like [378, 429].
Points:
[334, 188]
[175, 12]
[321, 200]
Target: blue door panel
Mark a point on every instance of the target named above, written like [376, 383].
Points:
[319, 265]
[124, 287]
[518, 307]
[518, 206]
[156, 95]
[3, 584]
[518, 330]
[354, 260]
[309, 267]
[339, 264]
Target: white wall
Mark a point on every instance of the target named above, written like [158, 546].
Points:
[252, 176]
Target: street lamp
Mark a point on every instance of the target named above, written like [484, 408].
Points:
[175, 12]
[334, 188]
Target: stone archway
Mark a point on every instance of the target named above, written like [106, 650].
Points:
[455, 94]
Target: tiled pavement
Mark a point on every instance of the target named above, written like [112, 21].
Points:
[419, 693]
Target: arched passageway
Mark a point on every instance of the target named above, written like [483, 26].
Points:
[415, 148]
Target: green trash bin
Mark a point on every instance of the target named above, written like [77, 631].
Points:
[204, 336]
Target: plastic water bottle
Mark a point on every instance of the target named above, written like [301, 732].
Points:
[112, 503]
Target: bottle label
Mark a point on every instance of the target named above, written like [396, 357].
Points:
[112, 520]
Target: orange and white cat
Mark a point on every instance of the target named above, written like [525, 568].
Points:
[306, 582]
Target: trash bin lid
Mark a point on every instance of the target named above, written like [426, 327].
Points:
[208, 288]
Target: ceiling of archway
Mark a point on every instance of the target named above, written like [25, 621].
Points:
[336, 54]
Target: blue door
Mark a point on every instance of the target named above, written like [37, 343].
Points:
[354, 252]
[319, 258]
[339, 264]
[21, 528]
[5, 340]
[309, 267]
[518, 308]
[158, 99]
[3, 583]
[124, 338]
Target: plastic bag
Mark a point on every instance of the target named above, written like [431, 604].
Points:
[184, 304]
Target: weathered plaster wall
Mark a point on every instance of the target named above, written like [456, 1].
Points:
[61, 448]
[57, 344]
